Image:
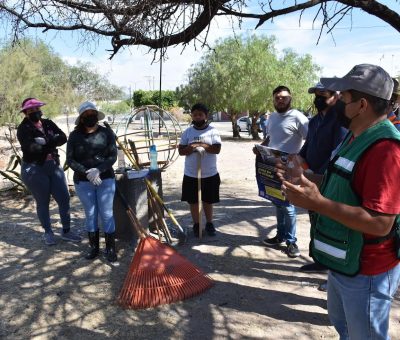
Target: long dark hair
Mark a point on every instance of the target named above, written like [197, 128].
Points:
[80, 127]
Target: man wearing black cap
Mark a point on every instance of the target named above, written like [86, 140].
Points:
[323, 136]
[356, 230]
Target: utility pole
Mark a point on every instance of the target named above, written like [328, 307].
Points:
[149, 80]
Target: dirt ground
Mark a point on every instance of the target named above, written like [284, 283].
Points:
[54, 293]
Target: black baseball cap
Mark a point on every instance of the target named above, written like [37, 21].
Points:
[365, 78]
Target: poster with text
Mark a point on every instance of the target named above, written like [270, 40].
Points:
[269, 185]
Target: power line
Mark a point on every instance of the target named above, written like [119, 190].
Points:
[301, 29]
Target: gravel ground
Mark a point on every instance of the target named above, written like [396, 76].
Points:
[54, 293]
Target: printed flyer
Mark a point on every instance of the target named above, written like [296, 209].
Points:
[269, 185]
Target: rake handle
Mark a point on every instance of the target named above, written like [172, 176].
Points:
[199, 193]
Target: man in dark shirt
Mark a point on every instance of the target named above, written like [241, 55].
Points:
[324, 135]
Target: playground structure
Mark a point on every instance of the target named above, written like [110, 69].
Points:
[146, 126]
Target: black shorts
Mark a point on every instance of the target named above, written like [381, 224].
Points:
[209, 189]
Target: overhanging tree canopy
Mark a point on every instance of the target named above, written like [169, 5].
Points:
[162, 23]
[239, 75]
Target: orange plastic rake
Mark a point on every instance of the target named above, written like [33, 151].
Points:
[158, 274]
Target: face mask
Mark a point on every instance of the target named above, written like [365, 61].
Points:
[90, 121]
[35, 116]
[320, 103]
[198, 123]
[340, 108]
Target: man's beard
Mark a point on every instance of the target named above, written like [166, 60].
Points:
[282, 108]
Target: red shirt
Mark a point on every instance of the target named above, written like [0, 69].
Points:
[376, 182]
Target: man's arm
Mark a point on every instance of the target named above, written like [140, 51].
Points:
[306, 194]
[185, 150]
[214, 149]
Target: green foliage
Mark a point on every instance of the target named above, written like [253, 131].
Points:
[168, 98]
[87, 83]
[32, 69]
[119, 107]
[239, 75]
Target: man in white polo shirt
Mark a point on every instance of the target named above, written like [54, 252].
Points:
[287, 128]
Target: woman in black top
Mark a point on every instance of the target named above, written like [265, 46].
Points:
[41, 171]
[91, 153]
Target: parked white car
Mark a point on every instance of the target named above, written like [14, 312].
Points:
[243, 124]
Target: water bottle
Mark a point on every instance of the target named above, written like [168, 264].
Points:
[153, 157]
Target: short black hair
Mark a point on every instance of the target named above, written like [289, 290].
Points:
[379, 105]
[281, 88]
[200, 107]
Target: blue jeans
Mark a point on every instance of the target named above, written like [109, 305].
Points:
[43, 181]
[359, 306]
[286, 223]
[97, 200]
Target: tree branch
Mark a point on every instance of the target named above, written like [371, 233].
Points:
[139, 22]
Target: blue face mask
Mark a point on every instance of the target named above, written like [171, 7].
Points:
[35, 116]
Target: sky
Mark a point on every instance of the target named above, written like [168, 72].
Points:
[360, 39]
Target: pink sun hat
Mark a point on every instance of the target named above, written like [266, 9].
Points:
[30, 103]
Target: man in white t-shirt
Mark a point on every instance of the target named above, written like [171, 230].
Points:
[287, 129]
[200, 140]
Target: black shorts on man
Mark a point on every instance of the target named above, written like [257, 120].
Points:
[209, 189]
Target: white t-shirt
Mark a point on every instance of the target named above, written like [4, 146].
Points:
[287, 131]
[209, 135]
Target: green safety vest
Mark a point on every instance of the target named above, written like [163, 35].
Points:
[333, 244]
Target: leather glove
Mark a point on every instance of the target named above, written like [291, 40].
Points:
[200, 150]
[92, 174]
[40, 140]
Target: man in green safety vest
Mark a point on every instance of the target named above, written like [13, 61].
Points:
[355, 229]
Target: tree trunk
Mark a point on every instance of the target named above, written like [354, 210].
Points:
[254, 126]
[235, 127]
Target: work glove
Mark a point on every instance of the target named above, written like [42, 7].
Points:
[93, 175]
[97, 181]
[40, 140]
[200, 150]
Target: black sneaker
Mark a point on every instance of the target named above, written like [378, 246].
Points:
[196, 229]
[313, 268]
[293, 250]
[323, 287]
[273, 241]
[210, 229]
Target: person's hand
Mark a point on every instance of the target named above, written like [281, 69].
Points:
[92, 174]
[97, 181]
[303, 194]
[40, 140]
[289, 169]
[200, 150]
[294, 169]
